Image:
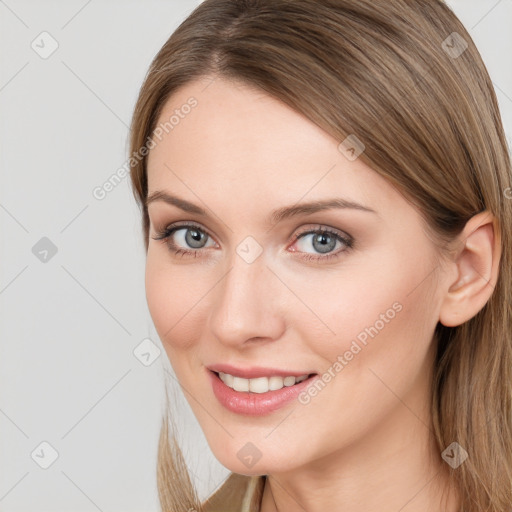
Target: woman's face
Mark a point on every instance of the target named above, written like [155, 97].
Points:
[350, 293]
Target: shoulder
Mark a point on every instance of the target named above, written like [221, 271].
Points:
[239, 493]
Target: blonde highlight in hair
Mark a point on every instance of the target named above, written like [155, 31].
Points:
[431, 126]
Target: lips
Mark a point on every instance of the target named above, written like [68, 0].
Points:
[254, 403]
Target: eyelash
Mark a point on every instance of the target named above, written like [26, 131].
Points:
[168, 231]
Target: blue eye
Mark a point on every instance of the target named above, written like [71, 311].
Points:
[324, 240]
[193, 236]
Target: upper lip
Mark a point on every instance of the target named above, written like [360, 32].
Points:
[255, 371]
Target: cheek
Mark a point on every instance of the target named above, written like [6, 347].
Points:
[176, 300]
[160, 302]
[371, 312]
[383, 323]
[165, 295]
[384, 331]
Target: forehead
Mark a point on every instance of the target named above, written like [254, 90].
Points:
[237, 126]
[225, 140]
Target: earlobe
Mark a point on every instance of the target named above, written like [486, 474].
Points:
[477, 263]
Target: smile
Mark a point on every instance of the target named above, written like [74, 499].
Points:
[260, 384]
[259, 395]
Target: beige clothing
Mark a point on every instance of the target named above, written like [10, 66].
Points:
[239, 493]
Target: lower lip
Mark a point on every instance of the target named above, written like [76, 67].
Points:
[255, 404]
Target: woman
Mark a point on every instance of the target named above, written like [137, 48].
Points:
[324, 187]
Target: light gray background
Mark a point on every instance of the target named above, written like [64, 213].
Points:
[68, 373]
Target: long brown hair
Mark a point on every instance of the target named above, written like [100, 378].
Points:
[404, 77]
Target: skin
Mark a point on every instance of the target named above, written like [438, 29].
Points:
[364, 442]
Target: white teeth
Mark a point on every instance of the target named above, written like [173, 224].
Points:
[275, 383]
[240, 384]
[289, 381]
[259, 384]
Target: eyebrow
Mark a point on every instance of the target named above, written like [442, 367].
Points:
[275, 216]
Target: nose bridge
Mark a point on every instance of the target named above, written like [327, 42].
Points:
[245, 302]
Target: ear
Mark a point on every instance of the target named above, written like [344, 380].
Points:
[476, 265]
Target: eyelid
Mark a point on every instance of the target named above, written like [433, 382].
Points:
[174, 226]
[307, 230]
[326, 229]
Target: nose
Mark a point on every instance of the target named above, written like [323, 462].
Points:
[247, 304]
